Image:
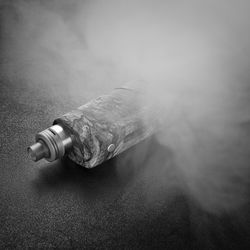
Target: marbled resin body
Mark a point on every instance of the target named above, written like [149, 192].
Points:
[108, 125]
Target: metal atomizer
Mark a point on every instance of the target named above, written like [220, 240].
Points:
[98, 130]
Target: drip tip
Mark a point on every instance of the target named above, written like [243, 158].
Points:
[51, 144]
[38, 151]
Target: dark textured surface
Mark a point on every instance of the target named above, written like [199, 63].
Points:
[61, 205]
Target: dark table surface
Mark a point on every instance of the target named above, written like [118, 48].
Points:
[120, 204]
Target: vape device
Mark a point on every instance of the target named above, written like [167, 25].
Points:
[98, 130]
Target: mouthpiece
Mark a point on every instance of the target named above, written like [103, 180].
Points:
[51, 144]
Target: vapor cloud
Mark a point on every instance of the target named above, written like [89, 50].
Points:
[194, 55]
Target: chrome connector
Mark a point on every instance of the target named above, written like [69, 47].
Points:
[51, 144]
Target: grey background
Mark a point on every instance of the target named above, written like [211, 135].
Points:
[48, 66]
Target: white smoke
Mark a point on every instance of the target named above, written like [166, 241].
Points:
[193, 54]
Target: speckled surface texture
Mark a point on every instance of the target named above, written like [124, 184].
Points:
[60, 205]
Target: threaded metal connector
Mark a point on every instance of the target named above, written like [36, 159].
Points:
[51, 144]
